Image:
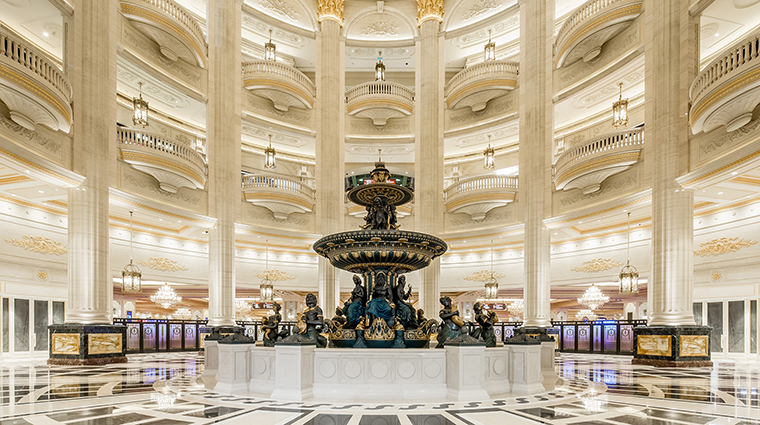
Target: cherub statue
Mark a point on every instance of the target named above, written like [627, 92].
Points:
[451, 326]
[311, 321]
[270, 325]
[404, 311]
[485, 320]
[353, 308]
[380, 306]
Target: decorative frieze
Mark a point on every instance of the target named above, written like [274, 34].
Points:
[162, 264]
[723, 245]
[380, 29]
[39, 244]
[597, 265]
[481, 7]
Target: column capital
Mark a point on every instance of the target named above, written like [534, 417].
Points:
[330, 9]
[429, 10]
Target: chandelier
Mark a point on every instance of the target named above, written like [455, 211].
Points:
[379, 67]
[620, 111]
[266, 288]
[166, 297]
[585, 314]
[269, 153]
[489, 163]
[242, 308]
[183, 313]
[131, 278]
[629, 276]
[269, 49]
[593, 298]
[490, 49]
[516, 308]
[140, 106]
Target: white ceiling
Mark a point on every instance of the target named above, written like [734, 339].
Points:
[37, 20]
[725, 22]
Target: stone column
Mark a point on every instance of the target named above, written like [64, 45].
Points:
[428, 166]
[330, 155]
[223, 130]
[91, 61]
[536, 134]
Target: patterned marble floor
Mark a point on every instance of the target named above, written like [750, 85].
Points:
[163, 389]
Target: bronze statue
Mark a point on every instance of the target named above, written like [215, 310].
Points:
[380, 215]
[404, 311]
[353, 308]
[270, 326]
[485, 320]
[451, 325]
[380, 304]
[311, 321]
[421, 316]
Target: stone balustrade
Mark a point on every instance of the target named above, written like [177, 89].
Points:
[585, 31]
[478, 195]
[474, 86]
[585, 165]
[171, 26]
[173, 164]
[380, 101]
[283, 84]
[727, 90]
[32, 86]
[280, 195]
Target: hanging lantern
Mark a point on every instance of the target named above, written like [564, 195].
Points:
[269, 154]
[620, 111]
[629, 276]
[266, 289]
[490, 49]
[488, 156]
[379, 67]
[131, 278]
[492, 285]
[140, 106]
[269, 49]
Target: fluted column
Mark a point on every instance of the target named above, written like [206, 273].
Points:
[536, 132]
[670, 69]
[92, 62]
[428, 167]
[223, 130]
[330, 158]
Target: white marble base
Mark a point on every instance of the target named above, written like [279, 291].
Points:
[234, 376]
[525, 368]
[548, 370]
[465, 373]
[379, 374]
[496, 371]
[262, 370]
[294, 376]
[211, 362]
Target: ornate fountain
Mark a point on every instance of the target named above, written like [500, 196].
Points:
[378, 314]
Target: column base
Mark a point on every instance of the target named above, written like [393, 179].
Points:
[672, 346]
[76, 344]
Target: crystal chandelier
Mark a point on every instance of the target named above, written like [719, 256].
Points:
[593, 298]
[269, 162]
[269, 49]
[516, 308]
[585, 314]
[620, 111]
[131, 278]
[140, 106]
[490, 49]
[489, 163]
[629, 276]
[166, 297]
[242, 307]
[183, 313]
[379, 67]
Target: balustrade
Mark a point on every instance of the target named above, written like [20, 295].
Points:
[178, 12]
[602, 144]
[272, 182]
[482, 69]
[379, 88]
[150, 141]
[19, 52]
[480, 183]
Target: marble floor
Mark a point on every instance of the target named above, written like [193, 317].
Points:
[163, 389]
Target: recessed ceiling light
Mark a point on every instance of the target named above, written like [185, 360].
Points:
[46, 34]
[720, 193]
[556, 234]
[733, 173]
[41, 191]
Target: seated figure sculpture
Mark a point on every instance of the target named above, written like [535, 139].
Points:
[311, 321]
[353, 309]
[485, 320]
[270, 326]
[405, 313]
[451, 326]
[379, 306]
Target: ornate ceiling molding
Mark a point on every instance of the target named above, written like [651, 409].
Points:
[275, 275]
[597, 265]
[380, 29]
[484, 276]
[480, 7]
[722, 245]
[39, 244]
[163, 264]
[280, 7]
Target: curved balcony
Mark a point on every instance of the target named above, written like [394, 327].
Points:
[380, 101]
[172, 27]
[277, 194]
[477, 196]
[284, 85]
[474, 86]
[32, 86]
[727, 90]
[174, 165]
[586, 165]
[584, 33]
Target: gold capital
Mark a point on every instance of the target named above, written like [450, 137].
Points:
[330, 9]
[429, 9]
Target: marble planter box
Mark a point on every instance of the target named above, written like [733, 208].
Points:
[72, 344]
[672, 346]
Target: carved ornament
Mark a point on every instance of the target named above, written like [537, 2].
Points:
[163, 264]
[597, 265]
[330, 9]
[429, 9]
[39, 244]
[484, 276]
[275, 275]
[722, 245]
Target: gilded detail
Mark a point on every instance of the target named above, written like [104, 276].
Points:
[597, 265]
[330, 9]
[484, 276]
[429, 9]
[723, 245]
[275, 275]
[39, 244]
[163, 264]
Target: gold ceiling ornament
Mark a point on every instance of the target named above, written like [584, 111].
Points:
[163, 264]
[429, 9]
[275, 275]
[330, 9]
[484, 276]
[39, 244]
[722, 245]
[597, 265]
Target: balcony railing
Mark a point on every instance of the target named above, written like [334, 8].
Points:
[480, 183]
[478, 195]
[489, 78]
[271, 182]
[279, 195]
[587, 164]
[268, 75]
[149, 153]
[726, 72]
[385, 88]
[380, 101]
[35, 79]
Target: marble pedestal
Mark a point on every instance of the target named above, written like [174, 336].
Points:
[465, 372]
[496, 372]
[75, 344]
[525, 368]
[262, 370]
[548, 369]
[233, 378]
[211, 362]
[294, 378]
[672, 346]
